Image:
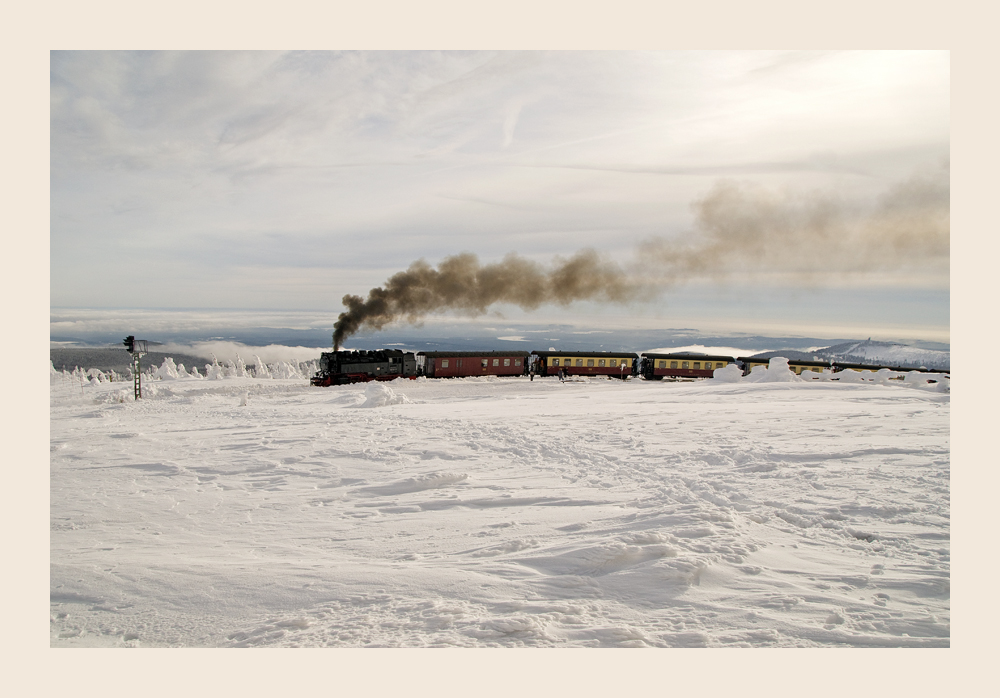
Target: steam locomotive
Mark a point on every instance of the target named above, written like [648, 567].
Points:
[342, 367]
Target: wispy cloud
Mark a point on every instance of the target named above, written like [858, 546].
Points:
[197, 178]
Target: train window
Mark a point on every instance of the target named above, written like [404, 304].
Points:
[718, 364]
[697, 364]
[555, 362]
[579, 362]
[517, 362]
[444, 363]
[496, 362]
[486, 362]
[506, 362]
[590, 362]
[614, 362]
[460, 363]
[684, 364]
[661, 364]
[673, 364]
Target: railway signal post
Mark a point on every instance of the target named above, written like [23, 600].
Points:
[136, 347]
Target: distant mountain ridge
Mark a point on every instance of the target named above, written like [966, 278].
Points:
[116, 359]
[872, 354]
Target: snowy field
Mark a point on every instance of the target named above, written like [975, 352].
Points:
[499, 512]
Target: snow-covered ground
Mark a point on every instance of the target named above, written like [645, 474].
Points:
[500, 512]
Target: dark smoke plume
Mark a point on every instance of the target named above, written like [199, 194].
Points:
[739, 227]
[462, 283]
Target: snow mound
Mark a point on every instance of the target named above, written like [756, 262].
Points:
[379, 395]
[939, 382]
[849, 375]
[428, 481]
[776, 371]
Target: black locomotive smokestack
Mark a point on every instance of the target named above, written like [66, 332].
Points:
[462, 283]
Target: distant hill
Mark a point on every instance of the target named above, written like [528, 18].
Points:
[116, 359]
[871, 353]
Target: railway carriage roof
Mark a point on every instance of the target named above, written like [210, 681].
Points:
[690, 357]
[460, 354]
[791, 362]
[871, 367]
[588, 354]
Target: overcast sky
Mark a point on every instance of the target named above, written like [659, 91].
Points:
[286, 180]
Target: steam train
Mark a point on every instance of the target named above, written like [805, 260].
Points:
[343, 367]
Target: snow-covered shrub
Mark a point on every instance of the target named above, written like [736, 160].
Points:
[260, 368]
[284, 370]
[166, 371]
[308, 368]
[214, 371]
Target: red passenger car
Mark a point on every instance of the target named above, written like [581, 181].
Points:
[452, 364]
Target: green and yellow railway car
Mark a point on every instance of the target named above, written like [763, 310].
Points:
[586, 363]
[681, 365]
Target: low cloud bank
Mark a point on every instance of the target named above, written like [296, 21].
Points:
[230, 351]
